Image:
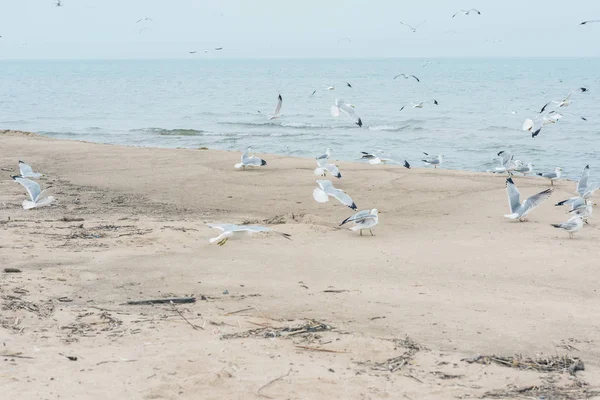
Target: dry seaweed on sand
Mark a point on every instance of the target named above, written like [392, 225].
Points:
[577, 391]
[14, 303]
[564, 363]
[308, 326]
[396, 363]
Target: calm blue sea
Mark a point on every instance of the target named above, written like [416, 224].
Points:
[215, 103]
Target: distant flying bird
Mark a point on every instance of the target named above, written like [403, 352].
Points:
[277, 108]
[206, 51]
[331, 87]
[365, 219]
[592, 21]
[347, 109]
[344, 38]
[38, 197]
[407, 76]
[313, 93]
[414, 29]
[58, 3]
[349, 85]
[144, 19]
[193, 52]
[142, 30]
[466, 12]
[519, 210]
[426, 64]
[420, 105]
[218, 48]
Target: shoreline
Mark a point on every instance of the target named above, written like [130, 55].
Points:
[445, 269]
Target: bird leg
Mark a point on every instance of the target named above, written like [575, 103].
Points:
[570, 235]
[551, 182]
[361, 232]
[222, 242]
[371, 232]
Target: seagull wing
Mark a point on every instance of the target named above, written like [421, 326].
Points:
[224, 227]
[582, 185]
[514, 196]
[33, 188]
[278, 108]
[417, 79]
[335, 111]
[532, 202]
[26, 171]
[359, 216]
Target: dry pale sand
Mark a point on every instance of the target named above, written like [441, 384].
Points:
[446, 277]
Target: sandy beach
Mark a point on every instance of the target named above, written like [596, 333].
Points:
[329, 314]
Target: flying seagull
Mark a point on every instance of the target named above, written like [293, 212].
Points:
[506, 163]
[433, 160]
[314, 91]
[344, 38]
[574, 224]
[323, 167]
[144, 20]
[38, 198]
[592, 21]
[380, 159]
[519, 210]
[327, 154]
[277, 109]
[347, 109]
[414, 29]
[349, 85]
[326, 189]
[466, 12]
[420, 105]
[58, 3]
[27, 172]
[365, 219]
[250, 160]
[407, 76]
[584, 191]
[193, 52]
[552, 175]
[232, 231]
[218, 48]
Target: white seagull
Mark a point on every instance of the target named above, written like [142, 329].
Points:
[365, 219]
[326, 189]
[347, 109]
[523, 169]
[407, 76]
[277, 109]
[323, 167]
[232, 231]
[574, 224]
[38, 197]
[420, 105]
[433, 160]
[414, 29]
[27, 172]
[584, 191]
[144, 20]
[250, 160]
[326, 156]
[519, 210]
[551, 175]
[466, 12]
[384, 160]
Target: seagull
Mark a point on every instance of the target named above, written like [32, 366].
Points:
[232, 231]
[365, 219]
[432, 160]
[347, 109]
[420, 105]
[535, 125]
[552, 175]
[331, 87]
[38, 197]
[218, 48]
[506, 163]
[143, 19]
[323, 167]
[382, 160]
[250, 160]
[326, 189]
[574, 224]
[584, 191]
[344, 38]
[193, 52]
[590, 21]
[466, 12]
[27, 172]
[584, 211]
[277, 109]
[413, 29]
[349, 85]
[523, 169]
[58, 3]
[520, 210]
[326, 156]
[407, 76]
[367, 156]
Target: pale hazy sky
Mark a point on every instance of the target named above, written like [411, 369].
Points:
[298, 28]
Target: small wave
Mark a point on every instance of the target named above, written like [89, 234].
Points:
[289, 125]
[170, 132]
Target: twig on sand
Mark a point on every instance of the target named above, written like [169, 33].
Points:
[184, 318]
[238, 311]
[14, 355]
[270, 383]
[114, 361]
[12, 270]
[176, 300]
[318, 349]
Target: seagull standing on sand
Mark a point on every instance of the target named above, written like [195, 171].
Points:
[574, 224]
[232, 231]
[523, 169]
[506, 163]
[323, 167]
[250, 160]
[414, 29]
[420, 105]
[584, 191]
[407, 76]
[365, 219]
[277, 109]
[347, 109]
[38, 198]
[26, 171]
[433, 160]
[551, 175]
[519, 210]
[467, 12]
[326, 189]
[326, 156]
